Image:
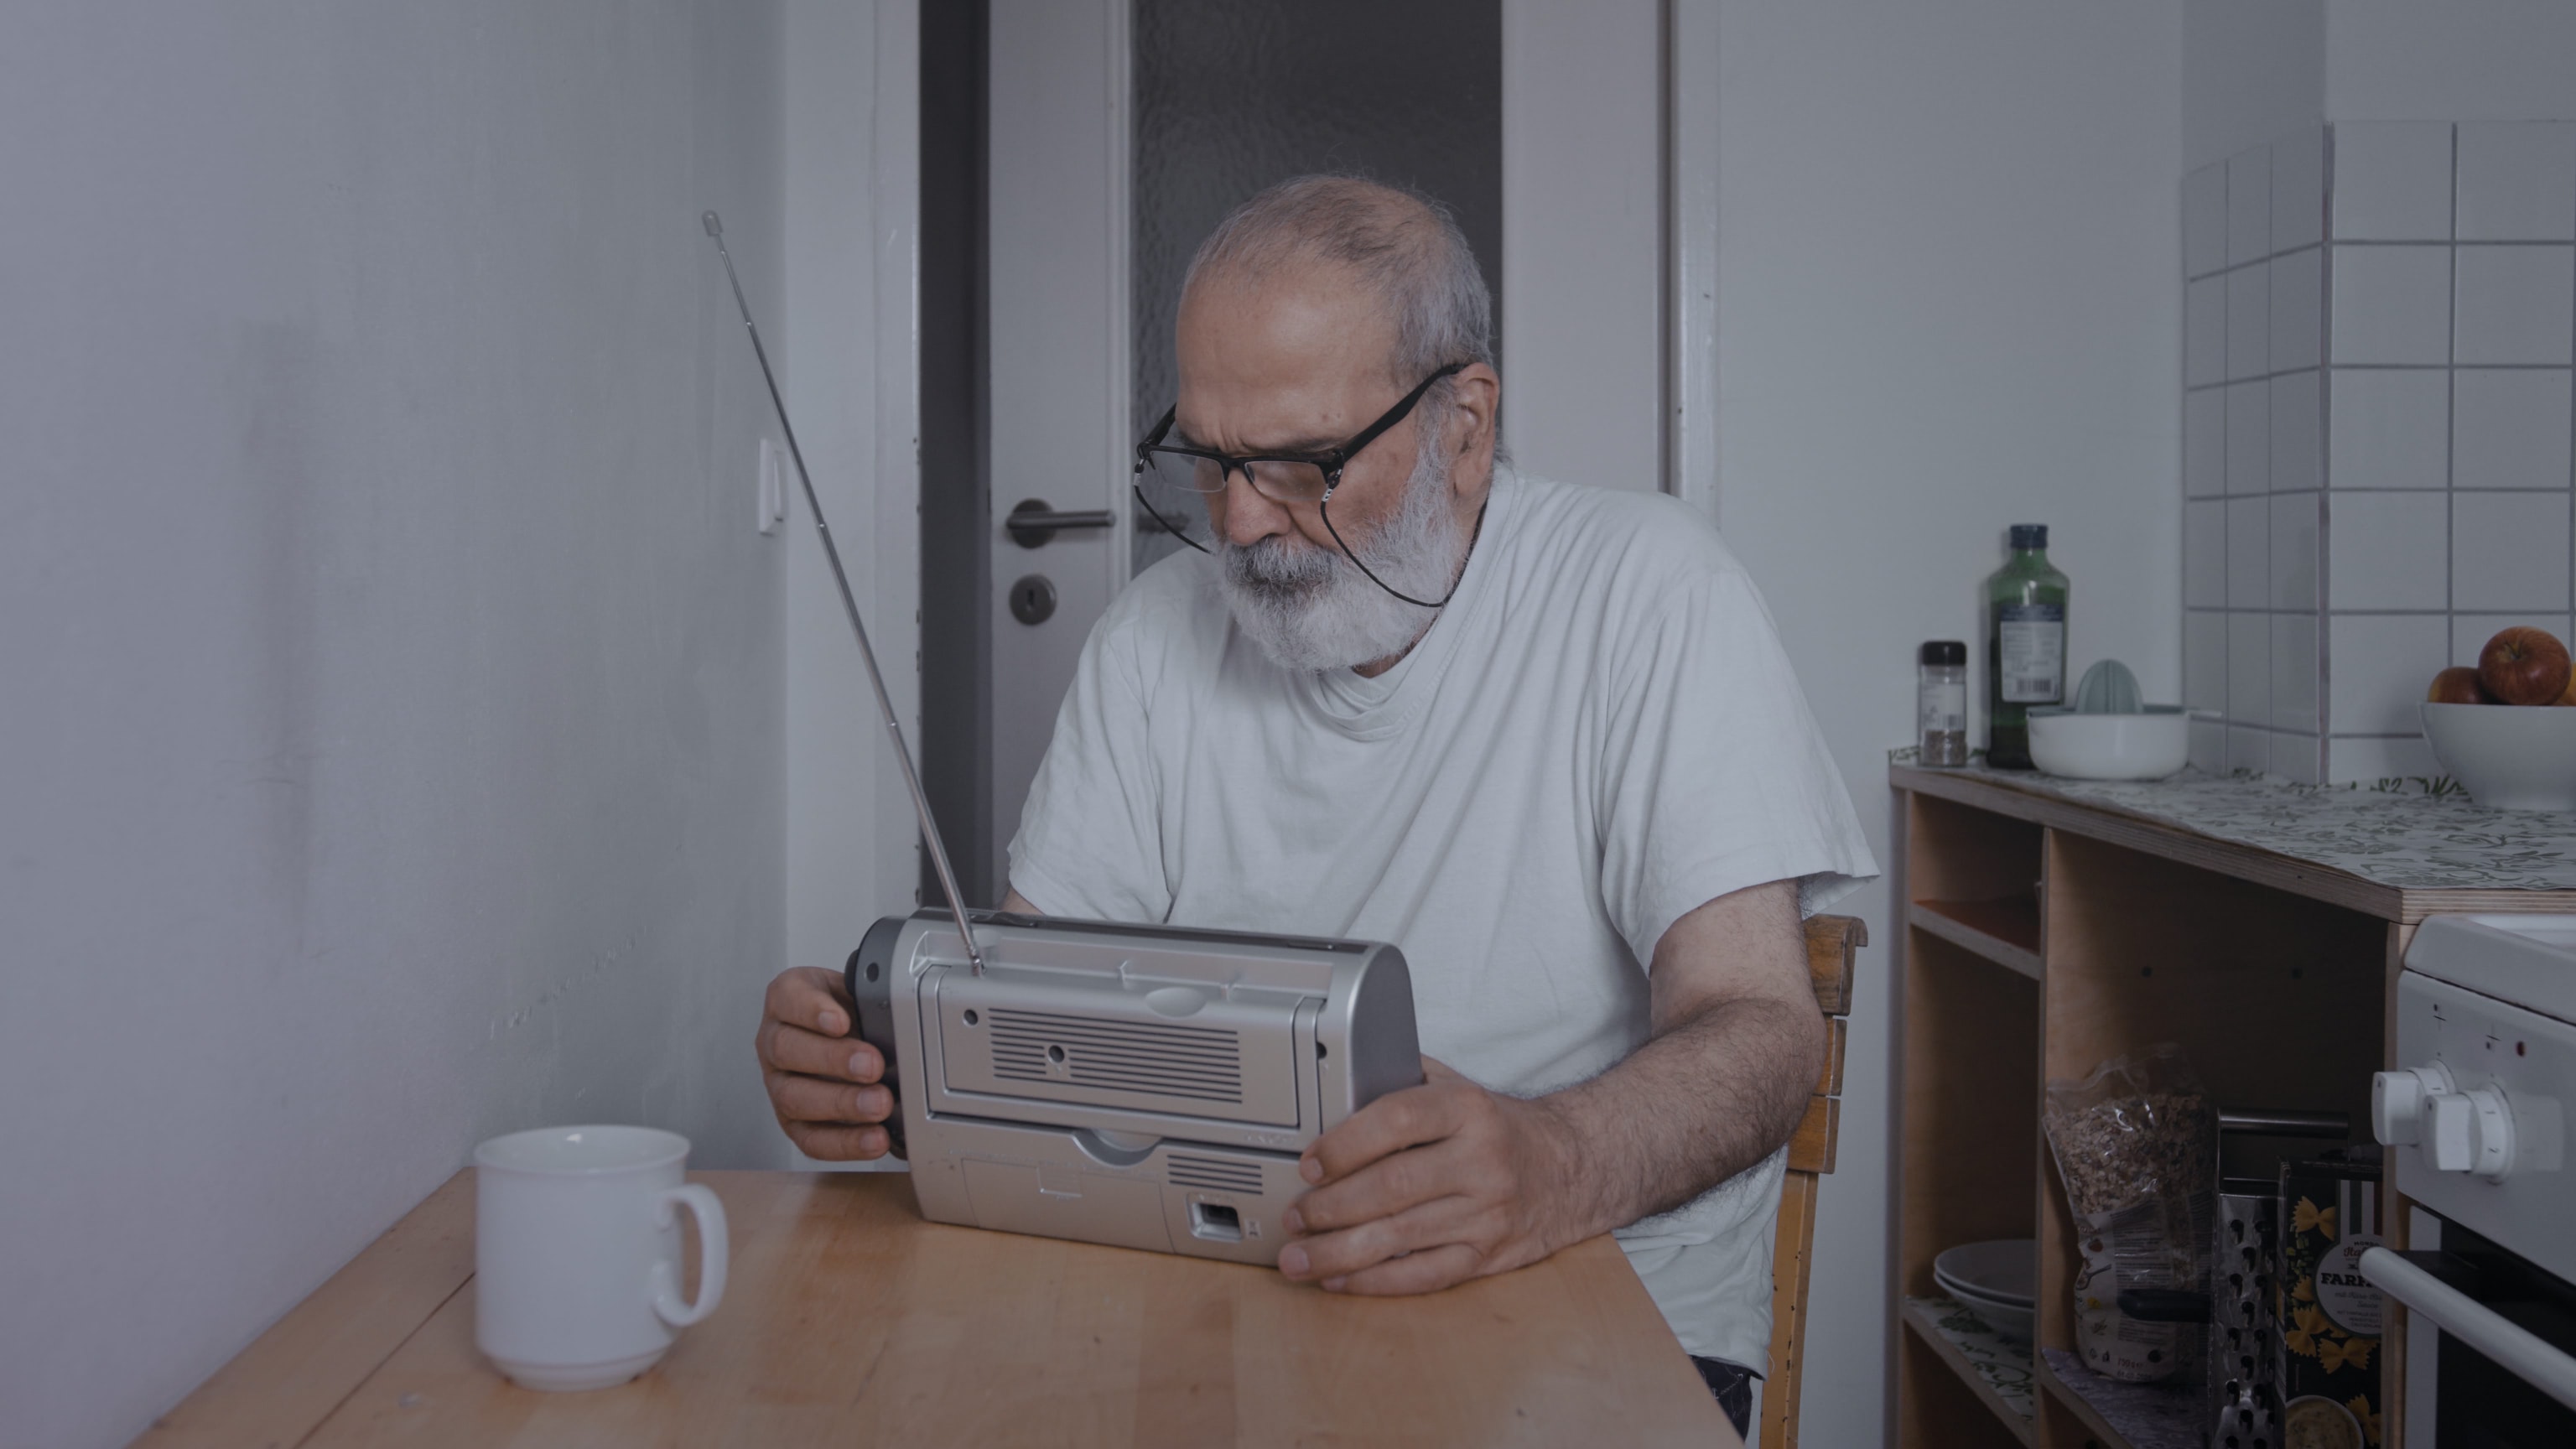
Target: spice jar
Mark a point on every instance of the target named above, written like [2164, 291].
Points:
[1941, 702]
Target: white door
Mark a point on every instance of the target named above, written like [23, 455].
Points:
[1581, 293]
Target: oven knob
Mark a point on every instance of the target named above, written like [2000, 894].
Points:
[2397, 1102]
[2470, 1132]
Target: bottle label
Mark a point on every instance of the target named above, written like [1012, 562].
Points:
[1943, 707]
[2033, 646]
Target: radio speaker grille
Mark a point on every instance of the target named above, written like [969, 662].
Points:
[1201, 1063]
[1214, 1174]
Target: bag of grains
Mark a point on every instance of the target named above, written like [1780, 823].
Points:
[2136, 1143]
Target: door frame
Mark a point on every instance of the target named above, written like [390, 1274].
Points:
[848, 349]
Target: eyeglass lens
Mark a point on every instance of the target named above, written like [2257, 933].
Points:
[1279, 479]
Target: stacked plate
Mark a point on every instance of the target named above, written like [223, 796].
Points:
[1994, 1280]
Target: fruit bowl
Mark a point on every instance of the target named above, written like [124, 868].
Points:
[2511, 757]
[2145, 746]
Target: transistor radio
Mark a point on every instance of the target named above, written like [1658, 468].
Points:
[1143, 1086]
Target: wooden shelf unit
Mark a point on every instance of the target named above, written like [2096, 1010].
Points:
[2044, 935]
[1923, 1325]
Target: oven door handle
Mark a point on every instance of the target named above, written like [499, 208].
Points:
[2522, 1352]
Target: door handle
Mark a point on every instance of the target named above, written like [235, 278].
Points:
[2530, 1357]
[1033, 522]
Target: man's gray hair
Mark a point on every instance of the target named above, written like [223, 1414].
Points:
[1401, 244]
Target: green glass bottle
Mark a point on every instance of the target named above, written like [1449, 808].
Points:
[2025, 645]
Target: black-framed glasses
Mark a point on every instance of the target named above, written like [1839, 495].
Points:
[1289, 478]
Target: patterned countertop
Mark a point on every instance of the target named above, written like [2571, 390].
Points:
[2402, 835]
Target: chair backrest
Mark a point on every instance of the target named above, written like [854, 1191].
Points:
[1832, 943]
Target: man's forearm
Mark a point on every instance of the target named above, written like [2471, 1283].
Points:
[1704, 1100]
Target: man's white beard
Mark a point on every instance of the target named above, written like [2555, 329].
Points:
[1310, 610]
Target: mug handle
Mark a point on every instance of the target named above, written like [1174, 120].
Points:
[708, 1210]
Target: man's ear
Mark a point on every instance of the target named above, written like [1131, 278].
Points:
[1476, 398]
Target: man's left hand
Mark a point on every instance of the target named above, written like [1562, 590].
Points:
[1431, 1186]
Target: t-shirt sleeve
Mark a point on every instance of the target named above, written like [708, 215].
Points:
[1088, 844]
[1715, 777]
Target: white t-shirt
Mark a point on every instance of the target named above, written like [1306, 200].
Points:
[1599, 734]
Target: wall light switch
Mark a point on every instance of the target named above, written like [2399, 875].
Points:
[773, 486]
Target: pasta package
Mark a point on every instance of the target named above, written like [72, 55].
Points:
[2330, 1316]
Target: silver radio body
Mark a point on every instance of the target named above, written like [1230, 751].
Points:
[1142, 1086]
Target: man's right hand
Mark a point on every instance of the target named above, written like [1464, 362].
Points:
[823, 1082]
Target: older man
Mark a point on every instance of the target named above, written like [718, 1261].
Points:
[1541, 736]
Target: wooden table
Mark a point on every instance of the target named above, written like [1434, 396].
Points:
[848, 1320]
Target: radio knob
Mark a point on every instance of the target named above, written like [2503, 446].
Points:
[2397, 1102]
[2471, 1132]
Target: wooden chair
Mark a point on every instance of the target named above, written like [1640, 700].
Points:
[1832, 942]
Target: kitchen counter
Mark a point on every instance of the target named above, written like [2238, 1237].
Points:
[2052, 925]
[848, 1320]
[2400, 855]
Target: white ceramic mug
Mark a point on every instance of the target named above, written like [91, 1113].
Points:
[577, 1252]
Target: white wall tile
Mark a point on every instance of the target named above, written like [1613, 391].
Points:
[2204, 220]
[2299, 188]
[2392, 181]
[2249, 553]
[2248, 750]
[2209, 746]
[2249, 437]
[2517, 181]
[2392, 305]
[2204, 443]
[2294, 550]
[2299, 758]
[2511, 428]
[2379, 666]
[2297, 423]
[2204, 554]
[2249, 321]
[2249, 204]
[2204, 659]
[2388, 551]
[2294, 672]
[2470, 632]
[2204, 332]
[2298, 291]
[2249, 668]
[2389, 429]
[2516, 304]
[2508, 551]
[2370, 761]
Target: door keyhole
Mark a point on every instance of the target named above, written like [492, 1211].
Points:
[1033, 599]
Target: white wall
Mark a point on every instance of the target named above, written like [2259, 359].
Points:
[1949, 300]
[2253, 71]
[391, 682]
[2459, 60]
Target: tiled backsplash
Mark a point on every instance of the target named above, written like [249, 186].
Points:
[2379, 413]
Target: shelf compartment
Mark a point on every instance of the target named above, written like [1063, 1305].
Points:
[1970, 1136]
[2123, 1415]
[1996, 1370]
[2005, 931]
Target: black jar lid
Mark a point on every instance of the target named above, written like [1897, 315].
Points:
[2030, 535]
[1943, 651]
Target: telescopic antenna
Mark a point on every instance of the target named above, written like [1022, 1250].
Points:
[850, 604]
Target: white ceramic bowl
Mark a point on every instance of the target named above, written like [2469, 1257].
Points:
[2013, 1322]
[2146, 746]
[2005, 1270]
[2513, 757]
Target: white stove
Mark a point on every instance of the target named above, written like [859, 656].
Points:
[2475, 1120]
